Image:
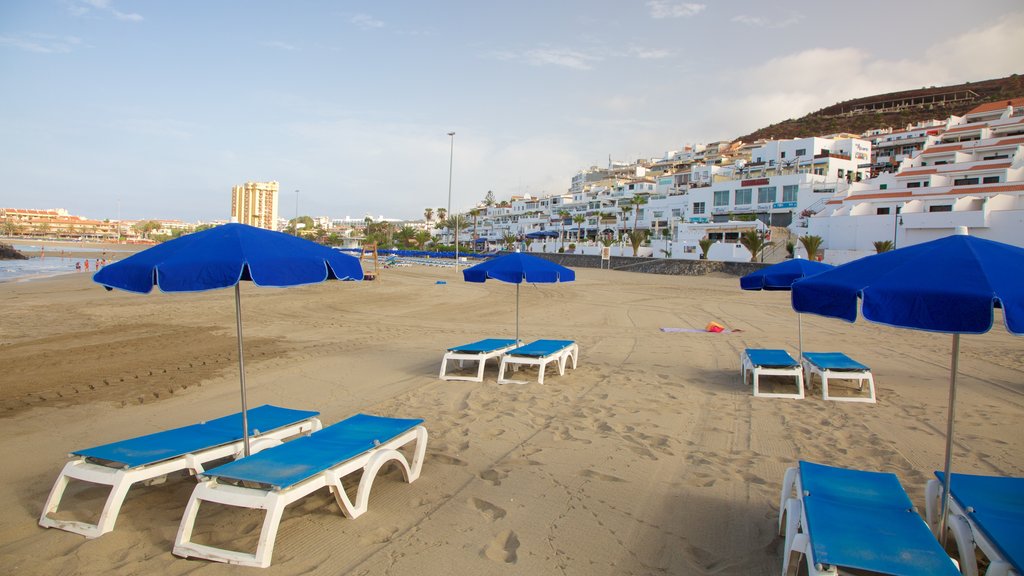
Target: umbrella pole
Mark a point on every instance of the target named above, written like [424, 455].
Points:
[800, 335]
[949, 439]
[241, 372]
[517, 314]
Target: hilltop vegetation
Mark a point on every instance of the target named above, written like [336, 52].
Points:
[856, 116]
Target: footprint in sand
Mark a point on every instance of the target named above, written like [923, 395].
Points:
[489, 510]
[493, 476]
[446, 459]
[599, 476]
[503, 547]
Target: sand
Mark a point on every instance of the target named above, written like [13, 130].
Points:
[650, 458]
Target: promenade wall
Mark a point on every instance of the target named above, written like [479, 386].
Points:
[655, 265]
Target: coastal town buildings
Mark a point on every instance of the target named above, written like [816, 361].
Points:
[255, 203]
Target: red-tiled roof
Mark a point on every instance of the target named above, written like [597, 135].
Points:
[966, 127]
[993, 106]
[921, 172]
[956, 191]
[942, 149]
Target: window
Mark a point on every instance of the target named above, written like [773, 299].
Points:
[913, 184]
[941, 208]
[990, 179]
[965, 181]
[790, 192]
[840, 173]
[721, 198]
[882, 211]
[783, 155]
[677, 212]
[765, 194]
[883, 186]
[743, 196]
[698, 207]
[801, 151]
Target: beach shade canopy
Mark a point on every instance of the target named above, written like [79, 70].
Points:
[517, 268]
[781, 277]
[947, 285]
[223, 256]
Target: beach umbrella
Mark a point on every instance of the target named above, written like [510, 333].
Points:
[781, 277]
[949, 285]
[223, 256]
[517, 268]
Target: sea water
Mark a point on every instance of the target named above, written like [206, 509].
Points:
[54, 261]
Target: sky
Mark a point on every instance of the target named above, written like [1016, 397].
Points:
[155, 109]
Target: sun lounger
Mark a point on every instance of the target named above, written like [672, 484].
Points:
[839, 366]
[840, 518]
[274, 478]
[539, 353]
[984, 511]
[757, 362]
[479, 352]
[121, 464]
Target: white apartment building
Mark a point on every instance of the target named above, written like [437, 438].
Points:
[970, 175]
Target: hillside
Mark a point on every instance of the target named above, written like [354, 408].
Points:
[896, 109]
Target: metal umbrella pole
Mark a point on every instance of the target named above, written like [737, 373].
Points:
[241, 372]
[949, 438]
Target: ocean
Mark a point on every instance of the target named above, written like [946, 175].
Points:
[57, 260]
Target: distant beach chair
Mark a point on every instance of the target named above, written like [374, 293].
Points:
[480, 351]
[539, 353]
[274, 478]
[122, 464]
[757, 362]
[841, 518]
[838, 366]
[986, 512]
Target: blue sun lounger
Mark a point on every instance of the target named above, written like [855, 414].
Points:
[838, 366]
[276, 477]
[984, 511]
[122, 464]
[539, 353]
[480, 351]
[841, 518]
[757, 362]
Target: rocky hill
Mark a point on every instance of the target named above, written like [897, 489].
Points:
[895, 109]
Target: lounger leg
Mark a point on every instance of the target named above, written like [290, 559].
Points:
[480, 370]
[788, 485]
[268, 535]
[932, 504]
[79, 470]
[540, 372]
[965, 545]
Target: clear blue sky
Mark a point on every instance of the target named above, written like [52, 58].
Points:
[164, 106]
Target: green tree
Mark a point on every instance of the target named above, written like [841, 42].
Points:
[883, 246]
[428, 214]
[489, 199]
[510, 242]
[578, 220]
[293, 224]
[811, 244]
[753, 241]
[563, 215]
[475, 213]
[705, 245]
[637, 201]
[406, 236]
[636, 239]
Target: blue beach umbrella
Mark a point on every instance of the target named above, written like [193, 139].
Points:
[949, 285]
[781, 277]
[517, 268]
[223, 256]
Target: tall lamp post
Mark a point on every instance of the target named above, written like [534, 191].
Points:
[455, 220]
[895, 221]
[296, 213]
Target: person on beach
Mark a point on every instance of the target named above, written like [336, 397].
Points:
[78, 266]
[86, 263]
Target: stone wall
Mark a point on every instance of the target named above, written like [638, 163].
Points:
[656, 265]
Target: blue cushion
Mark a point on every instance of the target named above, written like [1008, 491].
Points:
[865, 520]
[766, 358]
[835, 361]
[484, 346]
[541, 348]
[168, 444]
[997, 504]
[295, 461]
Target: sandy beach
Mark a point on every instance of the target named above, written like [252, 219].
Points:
[650, 458]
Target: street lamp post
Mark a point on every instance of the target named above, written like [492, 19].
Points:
[296, 212]
[895, 221]
[455, 220]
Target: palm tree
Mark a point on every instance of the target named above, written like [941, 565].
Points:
[883, 246]
[636, 239]
[562, 216]
[625, 217]
[637, 201]
[578, 220]
[753, 241]
[811, 245]
[428, 214]
[475, 212]
[705, 245]
[510, 241]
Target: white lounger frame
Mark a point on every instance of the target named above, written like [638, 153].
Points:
[824, 374]
[541, 362]
[749, 368]
[275, 501]
[964, 532]
[463, 357]
[121, 480]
